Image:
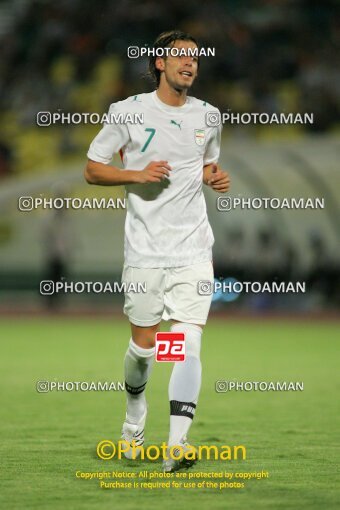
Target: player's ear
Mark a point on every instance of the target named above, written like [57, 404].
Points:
[159, 63]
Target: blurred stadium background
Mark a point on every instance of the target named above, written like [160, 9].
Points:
[271, 56]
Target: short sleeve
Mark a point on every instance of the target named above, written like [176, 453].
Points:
[110, 139]
[212, 150]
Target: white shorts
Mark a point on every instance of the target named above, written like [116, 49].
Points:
[171, 293]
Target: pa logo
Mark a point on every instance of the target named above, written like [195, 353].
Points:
[170, 346]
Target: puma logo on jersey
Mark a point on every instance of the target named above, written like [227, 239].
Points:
[176, 123]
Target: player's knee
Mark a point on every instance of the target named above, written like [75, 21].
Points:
[144, 337]
[193, 334]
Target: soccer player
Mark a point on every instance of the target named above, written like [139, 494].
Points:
[168, 239]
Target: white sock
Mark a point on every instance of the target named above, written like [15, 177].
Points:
[137, 364]
[185, 384]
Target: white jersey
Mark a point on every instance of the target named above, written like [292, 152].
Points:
[166, 223]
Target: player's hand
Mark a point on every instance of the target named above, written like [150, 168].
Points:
[155, 171]
[218, 179]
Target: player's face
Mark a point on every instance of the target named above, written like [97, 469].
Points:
[180, 71]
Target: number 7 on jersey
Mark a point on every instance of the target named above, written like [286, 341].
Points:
[152, 132]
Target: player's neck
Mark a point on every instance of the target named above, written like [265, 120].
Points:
[171, 96]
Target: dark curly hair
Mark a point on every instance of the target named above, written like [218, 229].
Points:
[166, 40]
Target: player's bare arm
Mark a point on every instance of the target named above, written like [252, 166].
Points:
[107, 175]
[216, 178]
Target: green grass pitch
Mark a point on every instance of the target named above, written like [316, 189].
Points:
[46, 438]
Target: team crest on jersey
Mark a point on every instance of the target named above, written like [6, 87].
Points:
[200, 136]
